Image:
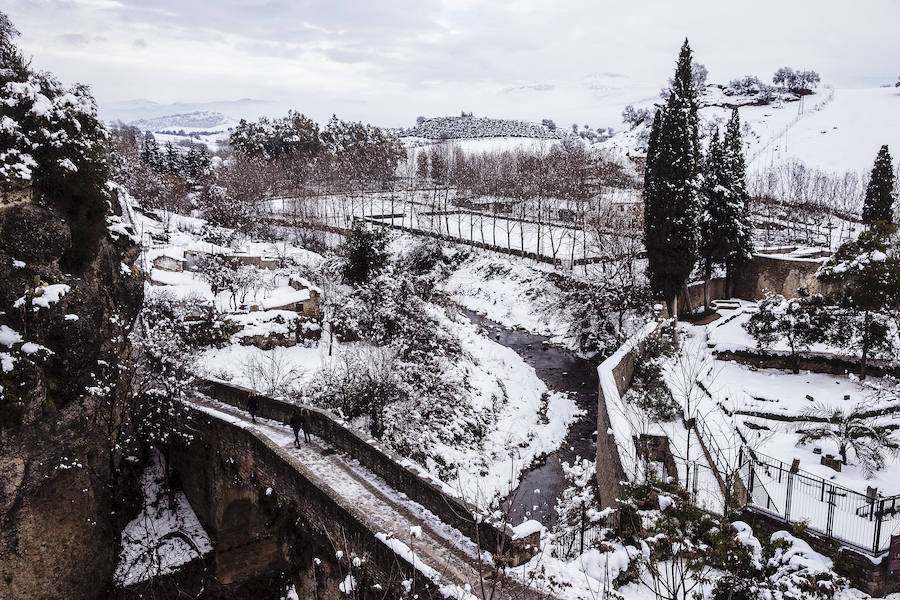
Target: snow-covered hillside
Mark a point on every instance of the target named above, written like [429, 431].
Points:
[196, 119]
[833, 129]
[845, 133]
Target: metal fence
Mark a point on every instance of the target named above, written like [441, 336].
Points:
[863, 522]
[573, 543]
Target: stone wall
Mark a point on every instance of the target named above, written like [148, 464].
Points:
[765, 273]
[817, 363]
[865, 573]
[399, 473]
[616, 371]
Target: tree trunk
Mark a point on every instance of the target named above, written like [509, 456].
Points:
[863, 359]
[687, 300]
[672, 305]
[706, 277]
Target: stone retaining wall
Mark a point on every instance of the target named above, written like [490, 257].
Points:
[817, 363]
[615, 375]
[778, 275]
[865, 573]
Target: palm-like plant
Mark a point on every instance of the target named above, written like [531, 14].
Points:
[853, 429]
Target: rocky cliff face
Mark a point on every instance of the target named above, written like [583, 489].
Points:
[64, 373]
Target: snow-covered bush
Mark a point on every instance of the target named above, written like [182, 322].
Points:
[866, 276]
[795, 571]
[800, 322]
[272, 373]
[577, 507]
[405, 374]
[853, 428]
[366, 254]
[52, 140]
[439, 128]
[675, 538]
[387, 312]
[648, 388]
[428, 264]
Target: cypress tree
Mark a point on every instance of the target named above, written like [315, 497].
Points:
[712, 224]
[671, 204]
[879, 204]
[737, 220]
[652, 145]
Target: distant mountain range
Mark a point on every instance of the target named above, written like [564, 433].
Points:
[143, 112]
[202, 119]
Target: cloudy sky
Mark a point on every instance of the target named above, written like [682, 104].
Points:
[386, 61]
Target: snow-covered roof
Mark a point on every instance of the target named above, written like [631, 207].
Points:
[283, 296]
[305, 283]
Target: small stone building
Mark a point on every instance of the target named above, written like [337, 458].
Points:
[166, 262]
[311, 307]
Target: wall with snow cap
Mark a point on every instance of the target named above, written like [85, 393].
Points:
[616, 452]
[267, 510]
[779, 273]
[402, 474]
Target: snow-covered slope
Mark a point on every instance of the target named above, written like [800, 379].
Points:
[833, 129]
[845, 133]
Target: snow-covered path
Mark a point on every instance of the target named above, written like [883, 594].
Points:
[439, 551]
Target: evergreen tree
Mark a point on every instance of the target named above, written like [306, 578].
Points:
[712, 227]
[652, 145]
[52, 140]
[671, 203]
[865, 274]
[150, 153]
[879, 204]
[737, 219]
[366, 251]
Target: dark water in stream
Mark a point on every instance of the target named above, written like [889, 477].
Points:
[561, 371]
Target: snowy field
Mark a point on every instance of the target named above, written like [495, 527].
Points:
[426, 211]
[845, 134]
[833, 130]
[564, 244]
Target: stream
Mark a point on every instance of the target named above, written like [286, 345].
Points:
[562, 371]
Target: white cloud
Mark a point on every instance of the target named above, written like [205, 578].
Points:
[379, 61]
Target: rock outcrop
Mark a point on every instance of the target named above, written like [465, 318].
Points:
[65, 376]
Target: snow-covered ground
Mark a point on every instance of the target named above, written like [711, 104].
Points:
[845, 134]
[528, 421]
[511, 292]
[164, 536]
[833, 130]
[766, 411]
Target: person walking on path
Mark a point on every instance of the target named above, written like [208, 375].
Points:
[253, 405]
[296, 425]
[307, 423]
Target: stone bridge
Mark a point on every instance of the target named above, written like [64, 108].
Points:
[270, 506]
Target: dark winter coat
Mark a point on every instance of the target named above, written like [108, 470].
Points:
[253, 405]
[297, 422]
